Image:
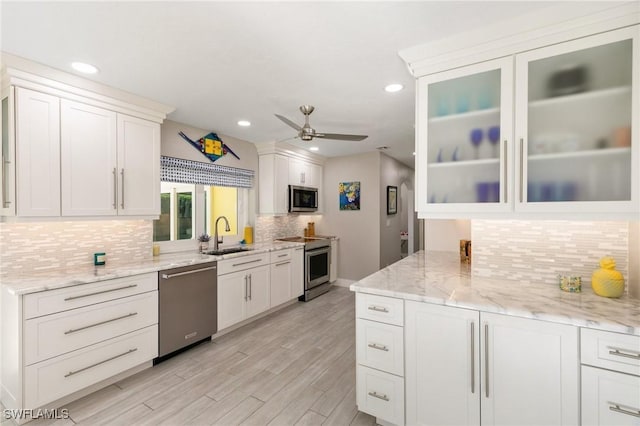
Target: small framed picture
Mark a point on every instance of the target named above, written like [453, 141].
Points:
[392, 199]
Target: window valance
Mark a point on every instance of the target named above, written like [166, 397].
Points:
[195, 172]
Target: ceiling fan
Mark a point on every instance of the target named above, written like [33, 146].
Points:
[307, 133]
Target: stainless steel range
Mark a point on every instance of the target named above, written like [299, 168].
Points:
[317, 261]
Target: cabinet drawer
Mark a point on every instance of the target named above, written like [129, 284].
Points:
[380, 346]
[614, 351]
[280, 256]
[50, 380]
[52, 335]
[380, 308]
[49, 302]
[609, 398]
[241, 263]
[380, 394]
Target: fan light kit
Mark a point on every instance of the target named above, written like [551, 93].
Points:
[84, 68]
[395, 87]
[307, 133]
[244, 123]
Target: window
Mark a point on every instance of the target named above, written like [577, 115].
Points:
[176, 220]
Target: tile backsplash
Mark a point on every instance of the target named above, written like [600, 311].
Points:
[538, 251]
[269, 228]
[33, 246]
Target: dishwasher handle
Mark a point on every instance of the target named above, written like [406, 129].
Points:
[179, 274]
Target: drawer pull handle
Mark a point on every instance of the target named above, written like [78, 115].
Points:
[616, 407]
[71, 373]
[283, 263]
[74, 330]
[246, 263]
[179, 274]
[378, 347]
[377, 395]
[618, 352]
[283, 255]
[378, 309]
[100, 292]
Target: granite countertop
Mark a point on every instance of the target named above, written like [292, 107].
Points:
[440, 278]
[32, 282]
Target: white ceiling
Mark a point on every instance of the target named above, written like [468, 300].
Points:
[219, 62]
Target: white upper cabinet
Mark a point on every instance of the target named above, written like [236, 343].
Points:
[88, 159]
[37, 135]
[577, 104]
[559, 136]
[464, 139]
[138, 173]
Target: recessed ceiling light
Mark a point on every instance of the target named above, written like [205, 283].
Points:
[84, 68]
[244, 123]
[395, 87]
[313, 148]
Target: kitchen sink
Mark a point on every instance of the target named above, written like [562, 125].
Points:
[227, 250]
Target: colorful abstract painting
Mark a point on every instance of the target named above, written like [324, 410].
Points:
[349, 195]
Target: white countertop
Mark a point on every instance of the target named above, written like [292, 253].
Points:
[440, 278]
[32, 282]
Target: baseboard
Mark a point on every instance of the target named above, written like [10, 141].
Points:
[343, 282]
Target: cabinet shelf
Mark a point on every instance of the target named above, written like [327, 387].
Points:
[467, 163]
[581, 97]
[592, 153]
[465, 115]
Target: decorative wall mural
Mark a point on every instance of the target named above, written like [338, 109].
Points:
[211, 146]
[349, 195]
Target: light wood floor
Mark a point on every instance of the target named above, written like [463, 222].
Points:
[293, 367]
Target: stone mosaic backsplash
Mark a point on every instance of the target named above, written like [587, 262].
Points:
[538, 251]
[268, 228]
[37, 246]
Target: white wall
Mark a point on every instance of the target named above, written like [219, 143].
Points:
[392, 173]
[359, 230]
[445, 234]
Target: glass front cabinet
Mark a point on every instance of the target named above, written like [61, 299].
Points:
[550, 130]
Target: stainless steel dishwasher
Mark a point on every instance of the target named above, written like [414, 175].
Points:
[187, 306]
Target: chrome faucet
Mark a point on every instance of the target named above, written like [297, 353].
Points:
[217, 241]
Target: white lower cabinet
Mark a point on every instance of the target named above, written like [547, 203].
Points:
[281, 280]
[609, 398]
[242, 295]
[259, 291]
[470, 367]
[297, 272]
[380, 394]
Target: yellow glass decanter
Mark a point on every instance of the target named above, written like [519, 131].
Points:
[607, 281]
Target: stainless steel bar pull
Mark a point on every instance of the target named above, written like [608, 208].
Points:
[506, 174]
[379, 396]
[71, 373]
[100, 292]
[378, 347]
[521, 168]
[617, 408]
[179, 274]
[378, 308]
[283, 263]
[246, 263]
[74, 330]
[122, 188]
[115, 189]
[624, 353]
[486, 359]
[473, 358]
[246, 287]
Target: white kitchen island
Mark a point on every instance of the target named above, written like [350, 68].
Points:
[438, 345]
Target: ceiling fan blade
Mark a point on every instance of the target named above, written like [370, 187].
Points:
[288, 122]
[341, 137]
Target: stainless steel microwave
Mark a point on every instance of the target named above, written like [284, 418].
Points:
[303, 199]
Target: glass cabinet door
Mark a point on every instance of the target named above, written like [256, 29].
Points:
[464, 128]
[574, 123]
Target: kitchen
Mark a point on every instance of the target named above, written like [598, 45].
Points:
[311, 367]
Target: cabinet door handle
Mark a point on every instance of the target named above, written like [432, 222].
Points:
[4, 183]
[195, 271]
[619, 352]
[122, 188]
[283, 255]
[486, 359]
[379, 396]
[71, 373]
[378, 347]
[100, 292]
[246, 287]
[246, 263]
[521, 168]
[283, 263]
[506, 177]
[115, 189]
[616, 407]
[378, 309]
[75, 330]
[473, 358]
